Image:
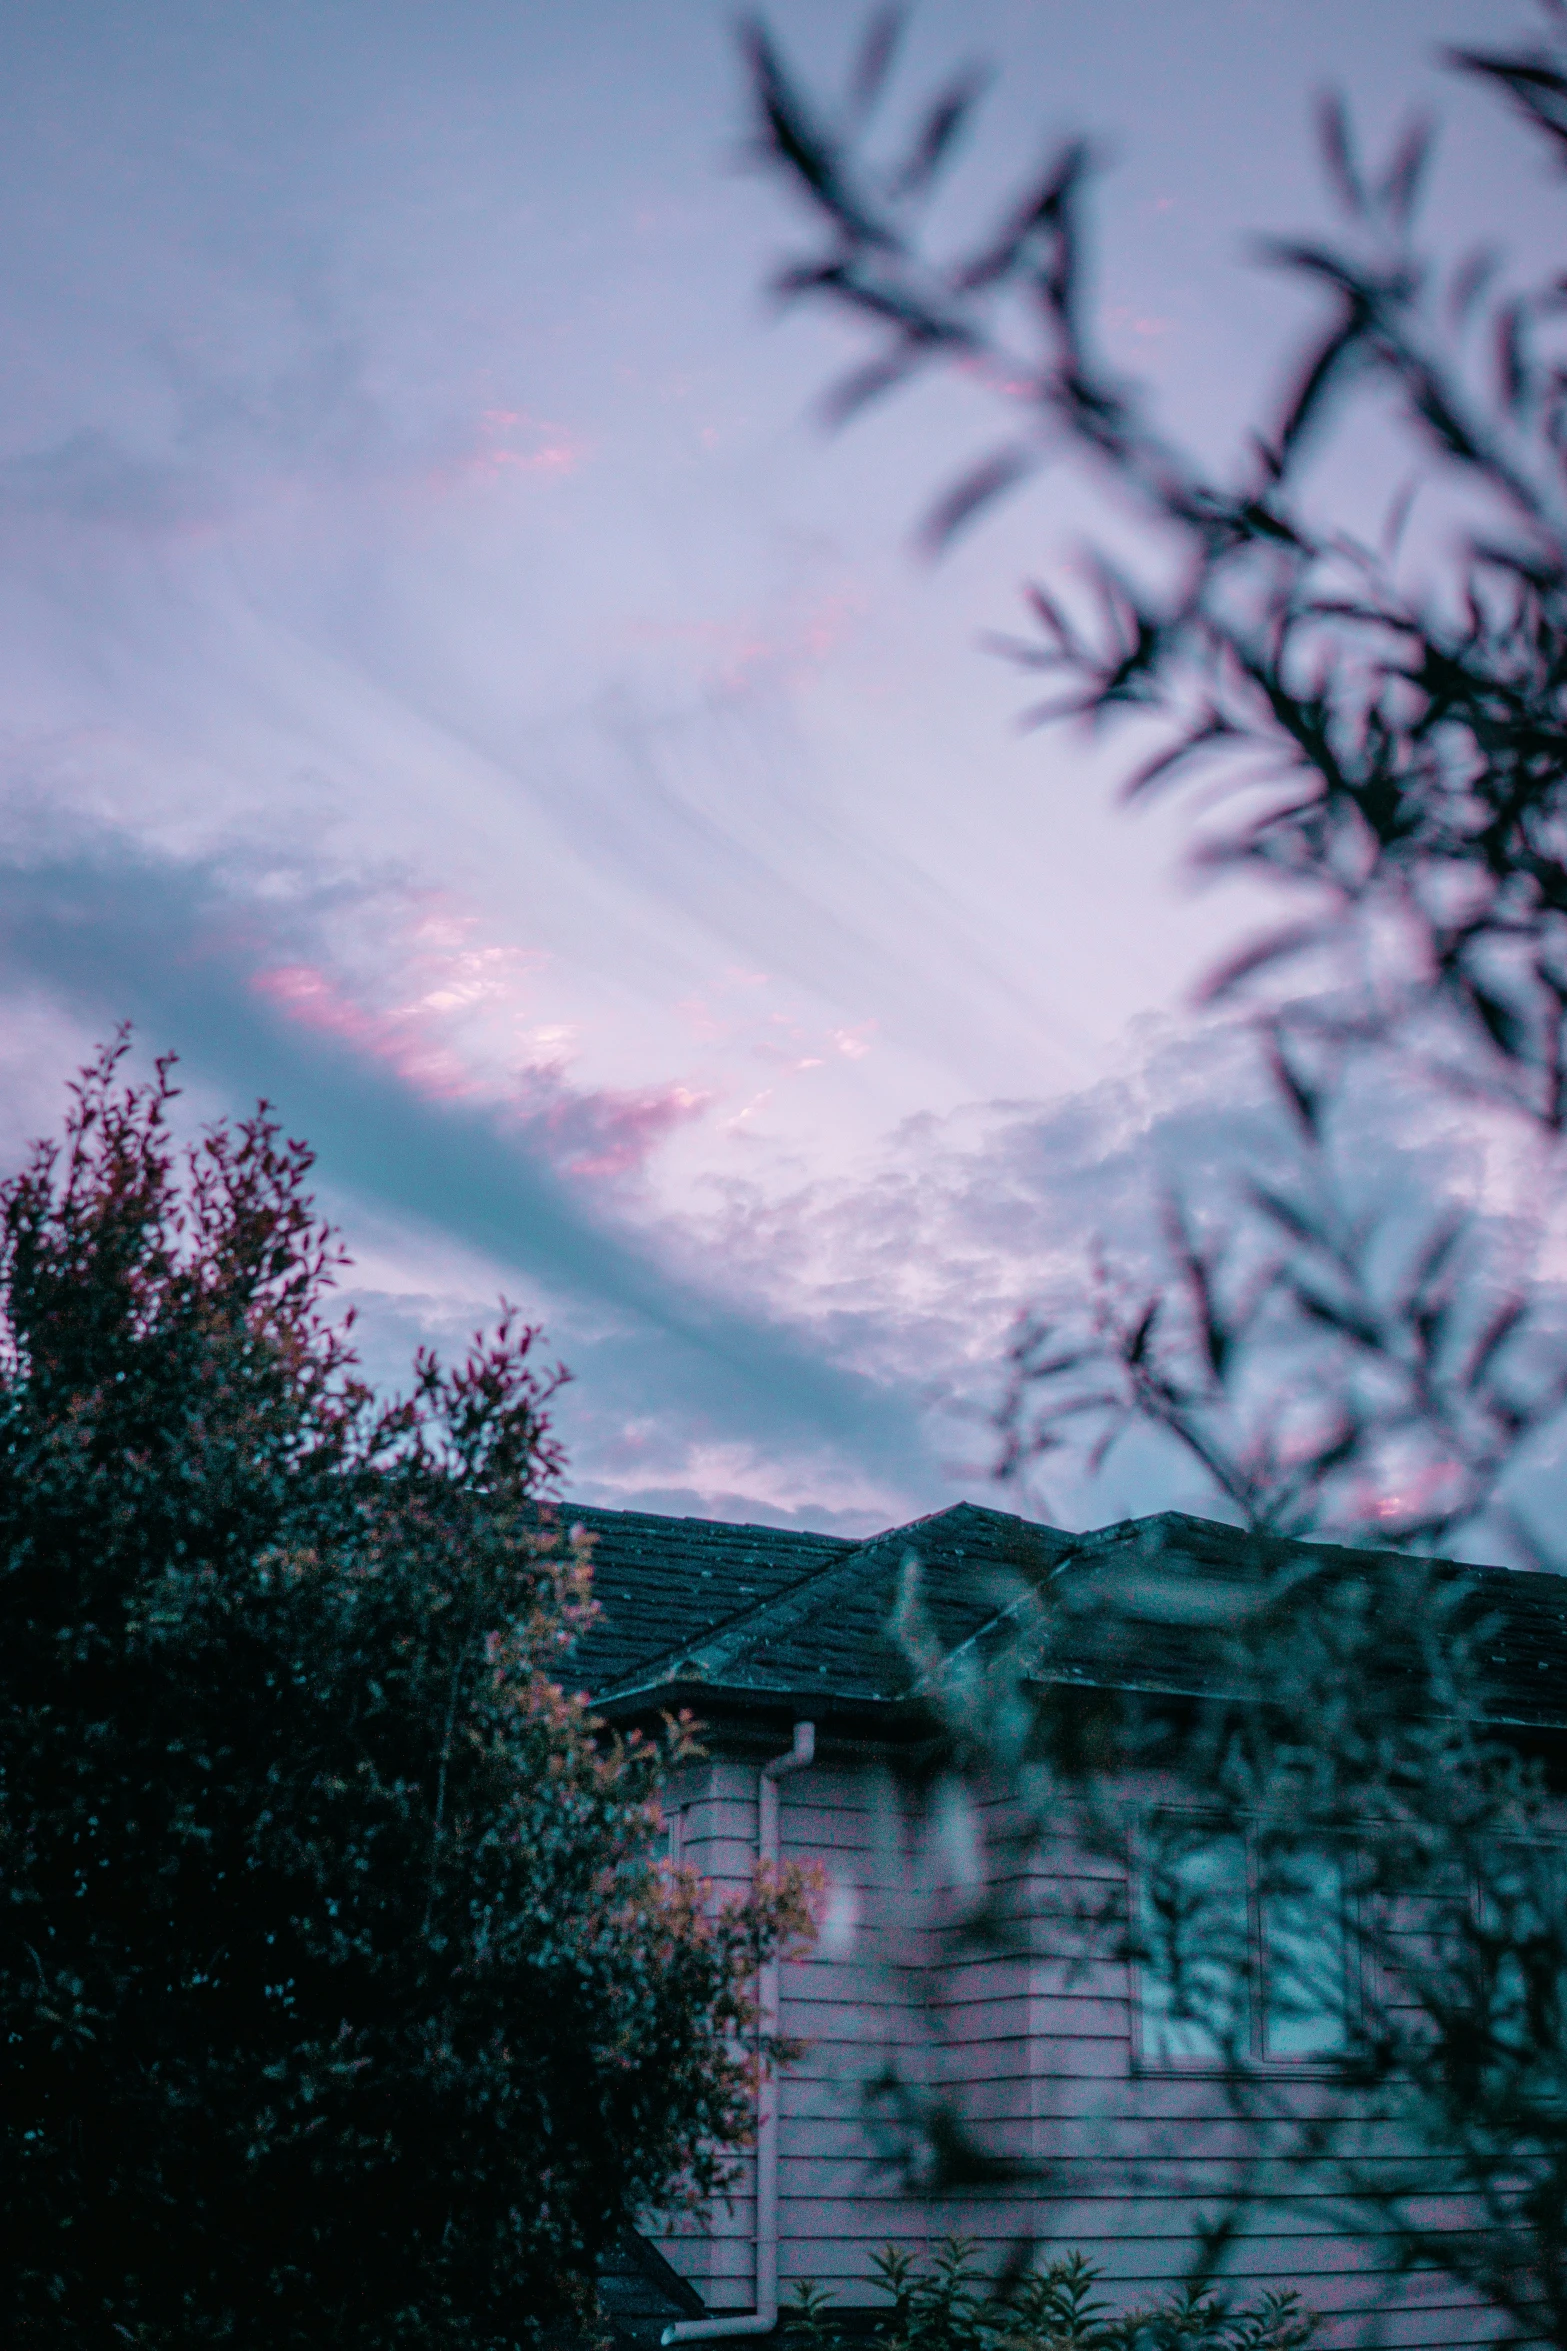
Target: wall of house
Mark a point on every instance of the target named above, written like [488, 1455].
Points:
[711, 1811]
[855, 2003]
[1034, 2046]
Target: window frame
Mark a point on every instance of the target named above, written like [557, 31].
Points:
[1252, 2049]
[1550, 1851]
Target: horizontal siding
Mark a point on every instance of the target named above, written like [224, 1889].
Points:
[1034, 2043]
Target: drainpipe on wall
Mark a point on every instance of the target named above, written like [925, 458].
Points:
[764, 2318]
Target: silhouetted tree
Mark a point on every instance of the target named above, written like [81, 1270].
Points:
[345, 1997]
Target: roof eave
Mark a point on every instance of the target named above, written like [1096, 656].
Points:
[848, 1713]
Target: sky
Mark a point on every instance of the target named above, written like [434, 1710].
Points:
[451, 685]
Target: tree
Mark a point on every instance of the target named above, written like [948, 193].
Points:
[346, 1998]
[1387, 732]
[1376, 720]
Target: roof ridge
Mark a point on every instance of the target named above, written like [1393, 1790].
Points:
[1159, 1525]
[778, 1612]
[781, 1611]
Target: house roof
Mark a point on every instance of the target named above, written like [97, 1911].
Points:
[776, 1613]
[698, 1612]
[667, 1583]
[1178, 1579]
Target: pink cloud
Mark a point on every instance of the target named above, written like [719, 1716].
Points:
[513, 441]
[462, 1010]
[612, 1133]
[511, 444]
[741, 652]
[796, 1047]
[855, 1043]
[313, 999]
[605, 1133]
[708, 1026]
[758, 1102]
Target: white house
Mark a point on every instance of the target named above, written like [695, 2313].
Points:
[1103, 2130]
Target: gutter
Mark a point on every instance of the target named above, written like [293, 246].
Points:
[764, 2318]
[840, 1714]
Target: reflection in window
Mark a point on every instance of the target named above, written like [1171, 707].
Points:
[1303, 1954]
[1193, 1936]
[1240, 1956]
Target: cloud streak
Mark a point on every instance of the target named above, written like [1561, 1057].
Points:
[112, 931]
[445, 686]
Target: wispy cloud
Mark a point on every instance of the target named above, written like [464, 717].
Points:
[91, 477]
[109, 931]
[447, 687]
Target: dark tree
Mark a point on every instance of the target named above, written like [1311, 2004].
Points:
[345, 1998]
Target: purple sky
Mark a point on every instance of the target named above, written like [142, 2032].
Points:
[450, 686]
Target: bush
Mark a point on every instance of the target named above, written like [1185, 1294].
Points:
[346, 1999]
[951, 2304]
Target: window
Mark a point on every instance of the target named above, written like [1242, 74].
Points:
[1518, 1945]
[1242, 1950]
[1303, 1954]
[671, 1846]
[1193, 1920]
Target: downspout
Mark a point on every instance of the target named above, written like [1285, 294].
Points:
[764, 2318]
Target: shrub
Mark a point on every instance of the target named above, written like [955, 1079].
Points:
[949, 2303]
[346, 1999]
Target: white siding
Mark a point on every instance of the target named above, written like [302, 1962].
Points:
[1035, 2047]
[716, 1802]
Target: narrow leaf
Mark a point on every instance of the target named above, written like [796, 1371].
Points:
[1337, 1314]
[1322, 375]
[1432, 402]
[1248, 961]
[1047, 207]
[1535, 86]
[1213, 729]
[799, 143]
[844, 399]
[1512, 370]
[1400, 184]
[1294, 1220]
[937, 134]
[1494, 1338]
[1470, 279]
[1501, 1022]
[1135, 1347]
[877, 54]
[1338, 153]
[972, 494]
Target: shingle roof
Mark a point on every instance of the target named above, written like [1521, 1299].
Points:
[1162, 1635]
[763, 1614]
[663, 1582]
[833, 1633]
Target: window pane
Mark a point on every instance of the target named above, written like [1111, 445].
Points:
[1192, 1946]
[1304, 1954]
[1523, 1943]
[670, 1846]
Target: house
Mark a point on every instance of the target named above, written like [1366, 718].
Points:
[820, 1748]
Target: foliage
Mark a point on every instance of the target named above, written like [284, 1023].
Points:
[1371, 714]
[1396, 1876]
[345, 1997]
[1378, 724]
[952, 2304]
